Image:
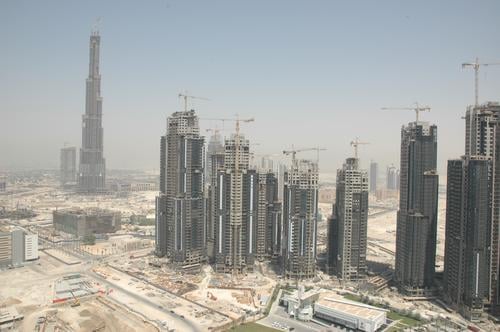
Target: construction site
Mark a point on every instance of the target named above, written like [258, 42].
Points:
[117, 284]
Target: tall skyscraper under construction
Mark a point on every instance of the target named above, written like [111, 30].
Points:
[347, 232]
[417, 215]
[180, 207]
[300, 213]
[92, 172]
[392, 178]
[373, 176]
[468, 217]
[68, 165]
[236, 209]
[482, 141]
[215, 162]
[269, 225]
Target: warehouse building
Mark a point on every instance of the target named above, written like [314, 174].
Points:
[353, 315]
[81, 222]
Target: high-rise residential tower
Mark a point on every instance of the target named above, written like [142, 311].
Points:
[214, 147]
[482, 139]
[68, 165]
[236, 209]
[417, 215]
[468, 216]
[347, 233]
[269, 226]
[300, 213]
[215, 161]
[180, 207]
[373, 176]
[92, 172]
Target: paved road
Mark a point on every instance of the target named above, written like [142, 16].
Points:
[180, 324]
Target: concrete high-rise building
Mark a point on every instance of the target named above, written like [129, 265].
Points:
[373, 176]
[482, 138]
[417, 215]
[215, 162]
[347, 235]
[68, 165]
[180, 207]
[161, 204]
[236, 209]
[466, 265]
[269, 225]
[214, 147]
[300, 213]
[92, 172]
[392, 178]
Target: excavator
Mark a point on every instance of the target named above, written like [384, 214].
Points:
[76, 301]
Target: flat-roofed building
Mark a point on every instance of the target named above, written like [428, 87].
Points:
[299, 304]
[82, 222]
[17, 247]
[353, 315]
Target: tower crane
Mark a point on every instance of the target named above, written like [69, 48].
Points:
[418, 108]
[356, 143]
[237, 120]
[186, 97]
[475, 65]
[214, 131]
[294, 152]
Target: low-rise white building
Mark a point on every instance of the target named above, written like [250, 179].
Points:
[351, 314]
[17, 246]
[299, 304]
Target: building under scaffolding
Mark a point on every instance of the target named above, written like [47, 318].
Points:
[300, 212]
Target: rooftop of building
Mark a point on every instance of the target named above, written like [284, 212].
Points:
[304, 295]
[86, 212]
[352, 308]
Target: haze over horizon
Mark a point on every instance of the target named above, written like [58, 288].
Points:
[310, 73]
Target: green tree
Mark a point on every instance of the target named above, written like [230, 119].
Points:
[89, 239]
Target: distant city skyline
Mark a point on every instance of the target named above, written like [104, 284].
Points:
[325, 69]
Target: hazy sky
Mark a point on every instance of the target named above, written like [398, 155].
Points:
[310, 72]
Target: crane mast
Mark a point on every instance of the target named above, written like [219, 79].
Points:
[355, 144]
[476, 65]
[186, 97]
